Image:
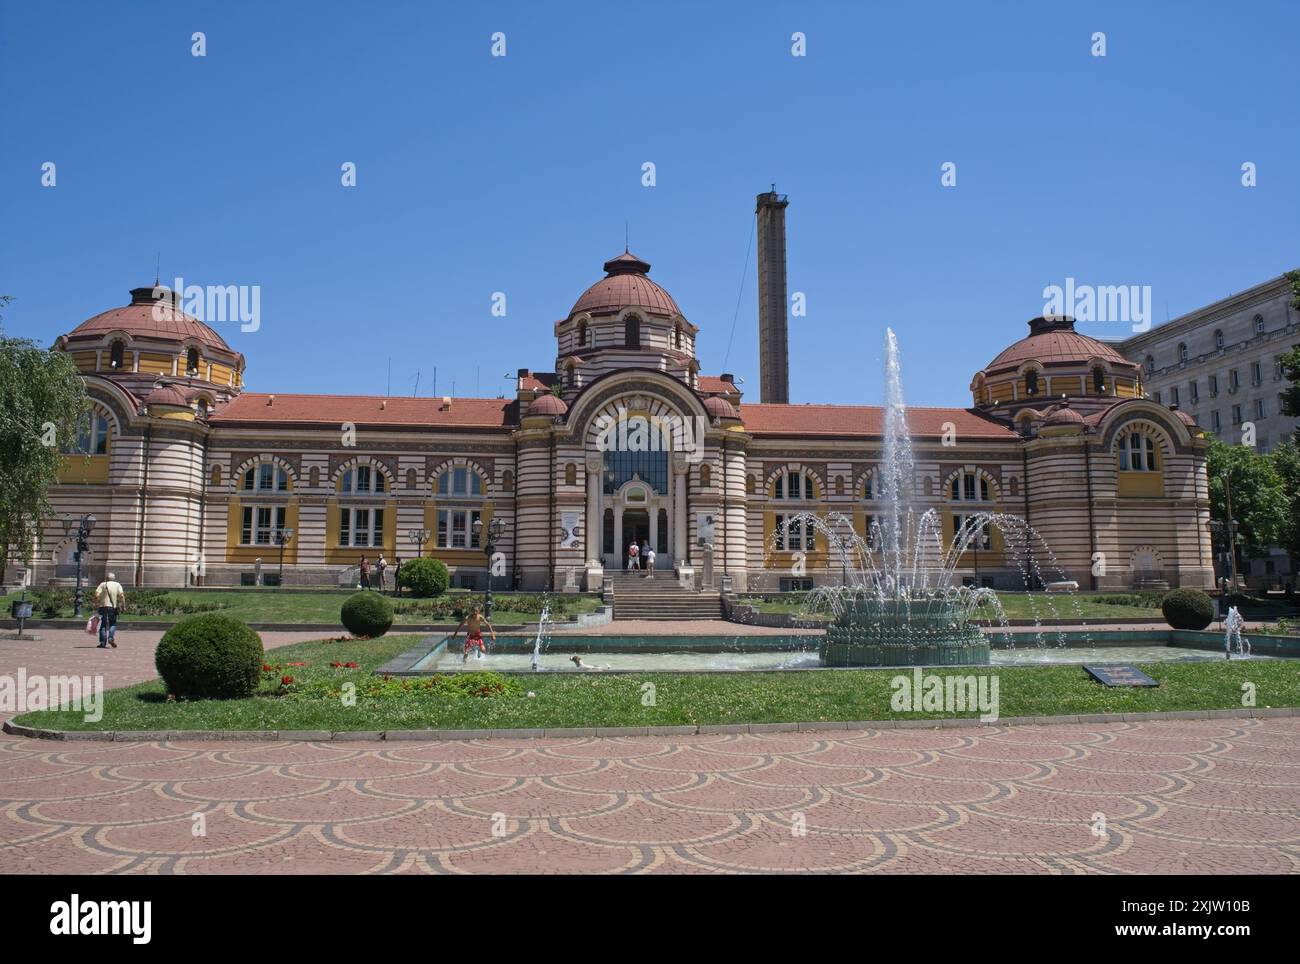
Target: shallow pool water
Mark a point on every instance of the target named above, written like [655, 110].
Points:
[688, 662]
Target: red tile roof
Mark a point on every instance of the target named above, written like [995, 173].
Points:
[252, 408]
[538, 381]
[866, 421]
[713, 385]
[624, 285]
[1055, 343]
[141, 319]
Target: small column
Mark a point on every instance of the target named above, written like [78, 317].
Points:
[594, 516]
[654, 524]
[681, 547]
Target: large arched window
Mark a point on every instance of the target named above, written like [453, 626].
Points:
[969, 487]
[362, 479]
[266, 477]
[117, 354]
[460, 491]
[92, 435]
[1098, 380]
[1138, 452]
[1031, 382]
[794, 484]
[632, 332]
[192, 361]
[570, 474]
[582, 334]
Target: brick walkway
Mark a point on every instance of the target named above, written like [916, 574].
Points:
[1204, 796]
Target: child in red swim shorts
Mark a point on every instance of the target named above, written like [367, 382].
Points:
[474, 624]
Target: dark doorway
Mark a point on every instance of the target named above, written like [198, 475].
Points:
[636, 525]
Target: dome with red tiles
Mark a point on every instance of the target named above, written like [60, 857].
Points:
[1053, 341]
[720, 408]
[625, 285]
[547, 405]
[152, 314]
[167, 395]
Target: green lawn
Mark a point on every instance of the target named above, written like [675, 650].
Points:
[616, 700]
[322, 608]
[1015, 605]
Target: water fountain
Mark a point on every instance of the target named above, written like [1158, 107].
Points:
[899, 604]
[541, 633]
[1232, 638]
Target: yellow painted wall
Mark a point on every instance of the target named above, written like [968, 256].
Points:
[1126, 388]
[1067, 385]
[270, 554]
[84, 470]
[1141, 485]
[220, 374]
[1001, 392]
[84, 360]
[336, 555]
[156, 364]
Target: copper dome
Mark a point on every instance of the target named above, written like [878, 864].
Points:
[625, 285]
[720, 408]
[152, 313]
[1053, 341]
[167, 395]
[547, 405]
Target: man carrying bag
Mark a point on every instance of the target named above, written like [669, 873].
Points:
[109, 597]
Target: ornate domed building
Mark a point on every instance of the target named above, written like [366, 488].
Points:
[195, 481]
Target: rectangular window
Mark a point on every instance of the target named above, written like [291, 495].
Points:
[363, 478]
[454, 528]
[259, 523]
[345, 528]
[1159, 400]
[1214, 421]
[968, 487]
[1259, 408]
[1194, 393]
[1234, 382]
[1256, 373]
[246, 531]
[1173, 395]
[1236, 415]
[361, 527]
[1214, 386]
[792, 534]
[983, 539]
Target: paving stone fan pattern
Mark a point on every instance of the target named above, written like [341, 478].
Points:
[1178, 796]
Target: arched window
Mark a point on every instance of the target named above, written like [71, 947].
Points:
[192, 361]
[410, 478]
[1182, 351]
[706, 476]
[460, 482]
[1138, 453]
[793, 484]
[1014, 486]
[969, 487]
[508, 481]
[1150, 364]
[1259, 324]
[570, 474]
[1218, 338]
[362, 479]
[839, 485]
[1031, 382]
[216, 475]
[202, 407]
[632, 332]
[315, 476]
[266, 477]
[929, 487]
[582, 333]
[677, 337]
[1099, 380]
[117, 354]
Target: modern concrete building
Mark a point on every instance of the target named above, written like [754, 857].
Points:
[1221, 365]
[191, 478]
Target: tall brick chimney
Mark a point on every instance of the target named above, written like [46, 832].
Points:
[773, 334]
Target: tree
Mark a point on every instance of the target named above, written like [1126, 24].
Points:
[1286, 460]
[42, 401]
[1260, 502]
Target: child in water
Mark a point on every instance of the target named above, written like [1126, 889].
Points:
[474, 624]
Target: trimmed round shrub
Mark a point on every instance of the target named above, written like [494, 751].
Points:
[1187, 609]
[425, 577]
[211, 656]
[367, 614]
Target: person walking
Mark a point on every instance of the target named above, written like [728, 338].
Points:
[645, 553]
[363, 567]
[650, 562]
[110, 597]
[380, 565]
[632, 553]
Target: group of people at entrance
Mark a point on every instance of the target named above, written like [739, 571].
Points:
[640, 557]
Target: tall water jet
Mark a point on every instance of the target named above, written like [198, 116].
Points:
[896, 468]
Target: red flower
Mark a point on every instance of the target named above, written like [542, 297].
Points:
[266, 667]
[286, 680]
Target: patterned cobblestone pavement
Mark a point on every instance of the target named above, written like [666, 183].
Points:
[1177, 796]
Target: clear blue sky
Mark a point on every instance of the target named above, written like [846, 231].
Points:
[479, 174]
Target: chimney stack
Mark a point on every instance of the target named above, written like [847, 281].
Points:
[773, 334]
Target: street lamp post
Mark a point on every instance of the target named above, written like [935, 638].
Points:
[418, 538]
[281, 538]
[85, 526]
[496, 528]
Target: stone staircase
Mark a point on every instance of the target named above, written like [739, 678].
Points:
[639, 597]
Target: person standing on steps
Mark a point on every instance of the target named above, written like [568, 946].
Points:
[650, 562]
[645, 554]
[110, 597]
[632, 553]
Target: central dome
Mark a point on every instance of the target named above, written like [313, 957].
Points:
[153, 313]
[625, 285]
[1053, 341]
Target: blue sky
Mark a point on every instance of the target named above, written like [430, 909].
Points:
[479, 174]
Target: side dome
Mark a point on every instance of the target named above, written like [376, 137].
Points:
[720, 408]
[547, 405]
[167, 395]
[154, 313]
[1064, 416]
[625, 285]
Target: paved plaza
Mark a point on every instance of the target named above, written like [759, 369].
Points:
[1177, 796]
